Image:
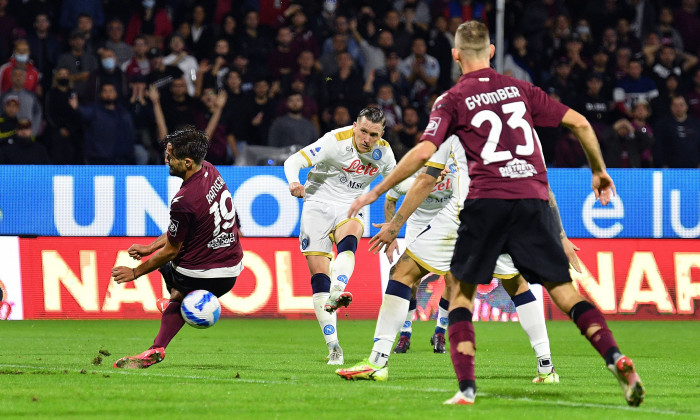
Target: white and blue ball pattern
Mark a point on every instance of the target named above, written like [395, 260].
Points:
[200, 309]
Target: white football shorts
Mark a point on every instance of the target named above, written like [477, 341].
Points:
[432, 247]
[318, 222]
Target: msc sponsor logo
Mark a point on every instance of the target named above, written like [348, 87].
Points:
[342, 278]
[377, 154]
[432, 127]
[328, 329]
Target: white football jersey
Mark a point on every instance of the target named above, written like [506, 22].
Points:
[448, 194]
[340, 173]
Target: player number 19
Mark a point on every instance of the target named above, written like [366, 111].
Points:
[220, 210]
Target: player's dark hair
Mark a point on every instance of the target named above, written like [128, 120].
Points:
[373, 114]
[188, 143]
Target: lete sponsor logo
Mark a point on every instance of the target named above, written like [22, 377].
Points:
[357, 167]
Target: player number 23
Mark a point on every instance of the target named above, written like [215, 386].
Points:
[220, 210]
[516, 111]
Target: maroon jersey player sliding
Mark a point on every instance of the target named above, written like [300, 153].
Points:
[200, 250]
[506, 208]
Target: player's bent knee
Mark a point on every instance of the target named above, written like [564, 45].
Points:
[176, 295]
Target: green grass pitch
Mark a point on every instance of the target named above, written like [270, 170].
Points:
[266, 369]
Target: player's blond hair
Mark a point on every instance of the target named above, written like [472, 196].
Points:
[472, 39]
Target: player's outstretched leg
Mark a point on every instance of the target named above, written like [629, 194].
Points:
[438, 338]
[320, 286]
[592, 325]
[531, 318]
[170, 324]
[407, 329]
[462, 339]
[341, 271]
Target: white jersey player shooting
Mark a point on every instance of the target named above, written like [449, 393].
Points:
[431, 233]
[345, 161]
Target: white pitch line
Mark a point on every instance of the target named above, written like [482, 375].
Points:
[393, 387]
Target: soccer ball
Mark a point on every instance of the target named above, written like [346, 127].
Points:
[200, 309]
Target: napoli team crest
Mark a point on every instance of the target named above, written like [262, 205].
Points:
[343, 278]
[304, 243]
[328, 329]
[377, 154]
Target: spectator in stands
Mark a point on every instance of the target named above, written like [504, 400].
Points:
[207, 117]
[115, 42]
[21, 149]
[668, 35]
[303, 37]
[410, 131]
[601, 66]
[234, 112]
[625, 36]
[392, 111]
[595, 104]
[668, 61]
[329, 59]
[281, 60]
[633, 88]
[661, 105]
[151, 22]
[178, 106]
[109, 134]
[45, 48]
[228, 29]
[8, 118]
[71, 11]
[640, 122]
[139, 64]
[309, 108]
[29, 105]
[625, 147]
[255, 42]
[342, 27]
[677, 138]
[315, 82]
[687, 23]
[340, 117]
[212, 71]
[202, 34]
[402, 38]
[160, 74]
[372, 56]
[79, 62]
[573, 50]
[185, 62]
[623, 57]
[292, 128]
[63, 130]
[562, 81]
[86, 27]
[694, 95]
[261, 112]
[393, 76]
[518, 63]
[145, 149]
[108, 72]
[346, 86]
[20, 59]
[421, 70]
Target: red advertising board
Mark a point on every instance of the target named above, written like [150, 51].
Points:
[638, 278]
[70, 278]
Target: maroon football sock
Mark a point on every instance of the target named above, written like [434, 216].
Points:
[170, 324]
[587, 316]
[461, 329]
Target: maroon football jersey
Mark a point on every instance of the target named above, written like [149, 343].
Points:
[494, 117]
[203, 218]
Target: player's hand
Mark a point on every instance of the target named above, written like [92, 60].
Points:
[297, 190]
[123, 274]
[137, 251]
[603, 187]
[442, 176]
[384, 238]
[360, 202]
[393, 247]
[570, 251]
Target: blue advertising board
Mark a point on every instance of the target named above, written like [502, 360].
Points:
[133, 201]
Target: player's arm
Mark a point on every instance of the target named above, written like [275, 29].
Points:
[137, 251]
[409, 164]
[304, 158]
[166, 253]
[569, 248]
[603, 185]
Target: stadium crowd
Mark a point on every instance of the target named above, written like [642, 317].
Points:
[103, 81]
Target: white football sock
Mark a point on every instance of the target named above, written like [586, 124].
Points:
[391, 317]
[326, 321]
[342, 268]
[442, 320]
[407, 326]
[532, 320]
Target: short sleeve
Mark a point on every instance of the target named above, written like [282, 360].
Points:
[545, 111]
[179, 226]
[441, 120]
[440, 157]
